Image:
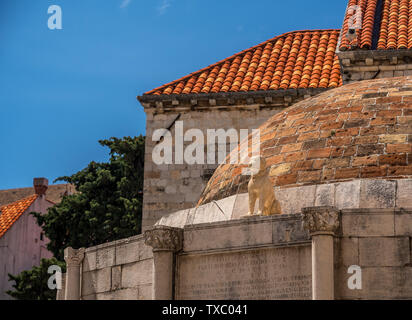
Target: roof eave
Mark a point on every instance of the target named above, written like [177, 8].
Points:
[227, 95]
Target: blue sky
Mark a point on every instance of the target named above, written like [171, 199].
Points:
[63, 90]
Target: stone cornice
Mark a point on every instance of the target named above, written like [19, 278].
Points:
[247, 99]
[375, 60]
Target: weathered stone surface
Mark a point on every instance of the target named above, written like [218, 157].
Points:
[145, 252]
[377, 283]
[404, 193]
[325, 195]
[135, 274]
[258, 274]
[214, 211]
[123, 294]
[105, 256]
[96, 281]
[320, 219]
[241, 205]
[164, 238]
[384, 252]
[346, 251]
[127, 251]
[145, 292]
[347, 195]
[368, 222]
[230, 235]
[386, 283]
[403, 223]
[89, 261]
[289, 229]
[292, 201]
[116, 277]
[377, 194]
[176, 220]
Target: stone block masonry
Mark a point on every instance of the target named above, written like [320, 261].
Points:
[299, 256]
[119, 270]
[374, 64]
[172, 187]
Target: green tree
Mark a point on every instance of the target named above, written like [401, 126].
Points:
[32, 284]
[106, 207]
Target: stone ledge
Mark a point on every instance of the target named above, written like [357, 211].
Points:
[244, 221]
[136, 238]
[379, 196]
[374, 54]
[274, 231]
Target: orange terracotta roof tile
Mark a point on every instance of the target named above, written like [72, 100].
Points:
[10, 213]
[299, 59]
[386, 24]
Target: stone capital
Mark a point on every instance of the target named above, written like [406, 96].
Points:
[73, 257]
[164, 238]
[321, 220]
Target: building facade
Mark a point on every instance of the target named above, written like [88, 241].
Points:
[22, 242]
[334, 112]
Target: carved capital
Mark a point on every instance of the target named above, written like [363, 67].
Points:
[73, 257]
[321, 219]
[164, 238]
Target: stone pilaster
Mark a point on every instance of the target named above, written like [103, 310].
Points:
[74, 259]
[165, 242]
[322, 223]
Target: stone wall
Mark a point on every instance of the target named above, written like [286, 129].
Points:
[173, 187]
[374, 64]
[119, 270]
[222, 260]
[255, 258]
[277, 257]
[379, 242]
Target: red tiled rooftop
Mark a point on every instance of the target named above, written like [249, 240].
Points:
[10, 213]
[299, 59]
[386, 24]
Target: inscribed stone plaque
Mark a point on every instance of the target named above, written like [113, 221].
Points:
[264, 274]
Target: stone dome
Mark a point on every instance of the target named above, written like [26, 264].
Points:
[358, 131]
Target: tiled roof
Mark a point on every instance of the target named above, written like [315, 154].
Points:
[386, 24]
[360, 130]
[299, 59]
[10, 213]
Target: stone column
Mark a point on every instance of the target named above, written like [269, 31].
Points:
[73, 258]
[322, 223]
[165, 241]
